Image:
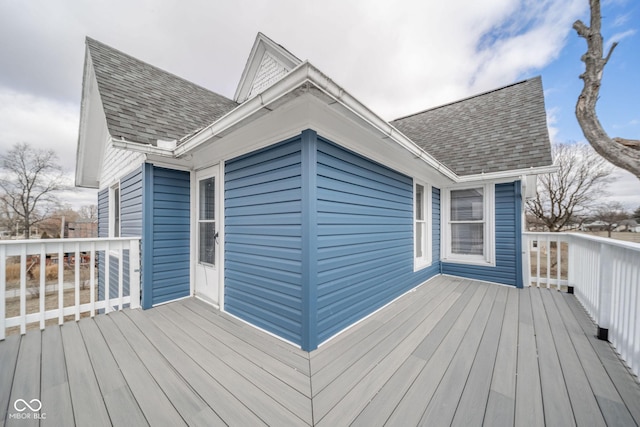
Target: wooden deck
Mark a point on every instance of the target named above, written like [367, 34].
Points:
[452, 352]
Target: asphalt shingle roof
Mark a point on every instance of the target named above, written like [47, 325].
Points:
[143, 103]
[504, 129]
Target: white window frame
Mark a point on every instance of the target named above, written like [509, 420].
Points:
[115, 192]
[426, 259]
[489, 256]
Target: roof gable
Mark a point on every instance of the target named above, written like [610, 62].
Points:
[504, 129]
[144, 104]
[268, 62]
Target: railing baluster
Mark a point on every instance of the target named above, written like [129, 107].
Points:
[23, 289]
[558, 261]
[120, 276]
[43, 291]
[107, 284]
[539, 249]
[60, 283]
[134, 274]
[77, 280]
[92, 279]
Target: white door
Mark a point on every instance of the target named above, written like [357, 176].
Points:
[208, 257]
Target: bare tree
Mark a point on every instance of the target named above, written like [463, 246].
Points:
[567, 196]
[610, 215]
[29, 180]
[89, 212]
[622, 152]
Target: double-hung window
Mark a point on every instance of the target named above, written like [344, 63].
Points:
[470, 225]
[422, 225]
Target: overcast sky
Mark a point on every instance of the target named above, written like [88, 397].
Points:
[397, 57]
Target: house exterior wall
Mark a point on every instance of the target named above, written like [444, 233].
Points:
[508, 226]
[115, 161]
[165, 235]
[317, 237]
[263, 238]
[365, 237]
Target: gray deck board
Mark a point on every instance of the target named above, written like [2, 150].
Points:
[88, 403]
[276, 367]
[121, 405]
[583, 402]
[26, 382]
[628, 391]
[473, 402]
[55, 394]
[271, 387]
[501, 402]
[356, 398]
[193, 409]
[555, 397]
[385, 401]
[529, 408]
[226, 405]
[9, 349]
[443, 404]
[157, 408]
[452, 352]
[413, 404]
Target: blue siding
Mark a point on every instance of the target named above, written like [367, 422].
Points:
[166, 235]
[508, 251]
[263, 238]
[103, 231]
[365, 237]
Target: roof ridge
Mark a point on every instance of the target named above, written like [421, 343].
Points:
[538, 77]
[89, 40]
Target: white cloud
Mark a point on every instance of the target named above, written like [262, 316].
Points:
[617, 37]
[621, 20]
[552, 120]
[624, 189]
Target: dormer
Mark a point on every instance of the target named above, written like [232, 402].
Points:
[268, 62]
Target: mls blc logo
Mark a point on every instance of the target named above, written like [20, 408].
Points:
[34, 405]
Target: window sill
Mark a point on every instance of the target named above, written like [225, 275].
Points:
[420, 264]
[470, 260]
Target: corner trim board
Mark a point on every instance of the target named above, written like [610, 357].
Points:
[309, 149]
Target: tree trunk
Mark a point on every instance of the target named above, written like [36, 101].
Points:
[624, 153]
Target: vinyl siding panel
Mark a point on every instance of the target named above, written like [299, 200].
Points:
[364, 237]
[169, 209]
[263, 239]
[507, 270]
[103, 231]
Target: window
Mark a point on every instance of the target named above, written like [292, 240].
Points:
[422, 226]
[207, 221]
[115, 212]
[470, 225]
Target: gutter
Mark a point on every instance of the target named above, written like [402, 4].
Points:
[516, 173]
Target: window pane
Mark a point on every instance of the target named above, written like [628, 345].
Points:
[207, 242]
[419, 202]
[207, 199]
[419, 239]
[467, 205]
[467, 239]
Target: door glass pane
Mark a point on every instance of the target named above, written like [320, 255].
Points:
[207, 199]
[466, 205]
[207, 248]
[467, 239]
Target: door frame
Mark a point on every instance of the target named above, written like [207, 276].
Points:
[220, 226]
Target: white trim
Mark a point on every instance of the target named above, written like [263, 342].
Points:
[488, 259]
[427, 256]
[192, 233]
[112, 211]
[509, 175]
[221, 236]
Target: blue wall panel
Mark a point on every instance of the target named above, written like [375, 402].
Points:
[508, 250]
[166, 235]
[365, 237]
[263, 238]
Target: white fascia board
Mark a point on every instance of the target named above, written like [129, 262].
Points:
[510, 174]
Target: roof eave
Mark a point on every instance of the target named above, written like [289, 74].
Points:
[513, 173]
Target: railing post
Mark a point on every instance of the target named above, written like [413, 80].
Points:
[526, 260]
[134, 273]
[605, 288]
[3, 289]
[570, 265]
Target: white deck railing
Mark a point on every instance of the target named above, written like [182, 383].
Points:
[604, 275]
[79, 256]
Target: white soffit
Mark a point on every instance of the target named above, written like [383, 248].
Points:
[268, 62]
